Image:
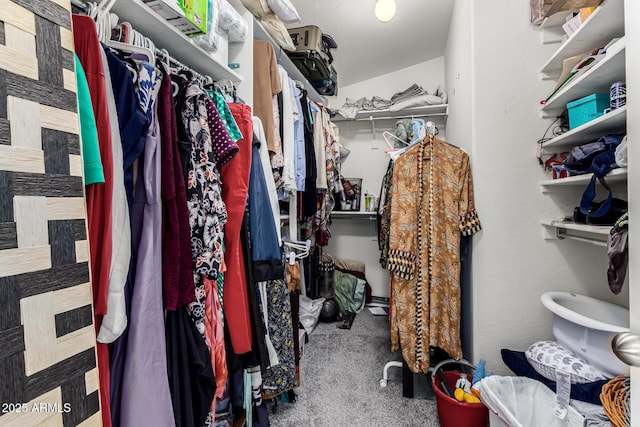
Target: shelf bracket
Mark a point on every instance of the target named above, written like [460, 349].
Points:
[373, 126]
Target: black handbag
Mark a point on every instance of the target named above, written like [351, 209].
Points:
[617, 208]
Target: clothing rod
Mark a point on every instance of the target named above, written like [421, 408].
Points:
[80, 3]
[563, 234]
[371, 118]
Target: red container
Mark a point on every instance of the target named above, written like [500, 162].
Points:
[452, 413]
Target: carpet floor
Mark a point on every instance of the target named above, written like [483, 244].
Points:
[340, 372]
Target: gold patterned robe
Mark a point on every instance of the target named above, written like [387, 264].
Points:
[432, 207]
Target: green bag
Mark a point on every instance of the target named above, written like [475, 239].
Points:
[349, 292]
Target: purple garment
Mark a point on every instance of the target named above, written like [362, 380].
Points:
[145, 399]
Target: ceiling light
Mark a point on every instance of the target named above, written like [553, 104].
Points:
[385, 10]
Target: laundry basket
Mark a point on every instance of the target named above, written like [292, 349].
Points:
[452, 413]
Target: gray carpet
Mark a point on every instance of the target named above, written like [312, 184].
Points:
[340, 373]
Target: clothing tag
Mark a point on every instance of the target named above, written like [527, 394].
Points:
[563, 393]
[292, 258]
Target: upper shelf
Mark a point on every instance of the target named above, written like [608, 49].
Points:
[598, 79]
[293, 71]
[424, 111]
[604, 24]
[166, 36]
[613, 122]
[354, 215]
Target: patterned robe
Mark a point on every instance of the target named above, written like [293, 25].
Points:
[432, 206]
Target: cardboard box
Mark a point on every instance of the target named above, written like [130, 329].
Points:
[188, 17]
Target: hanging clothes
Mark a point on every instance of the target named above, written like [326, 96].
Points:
[177, 263]
[98, 197]
[133, 125]
[288, 142]
[207, 211]
[384, 215]
[263, 152]
[432, 206]
[225, 114]
[277, 159]
[309, 196]
[146, 398]
[266, 84]
[300, 164]
[215, 338]
[190, 372]
[282, 376]
[115, 321]
[265, 246]
[235, 186]
[92, 166]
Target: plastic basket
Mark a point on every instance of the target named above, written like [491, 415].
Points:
[452, 413]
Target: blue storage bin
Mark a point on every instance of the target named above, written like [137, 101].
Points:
[585, 109]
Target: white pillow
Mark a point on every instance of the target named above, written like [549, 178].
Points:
[547, 356]
[284, 9]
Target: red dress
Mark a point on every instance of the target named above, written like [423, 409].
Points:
[98, 196]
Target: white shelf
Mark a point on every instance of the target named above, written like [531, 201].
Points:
[594, 234]
[166, 36]
[615, 176]
[613, 122]
[596, 80]
[424, 111]
[353, 215]
[555, 20]
[260, 33]
[604, 24]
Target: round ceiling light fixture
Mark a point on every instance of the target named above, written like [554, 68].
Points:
[385, 10]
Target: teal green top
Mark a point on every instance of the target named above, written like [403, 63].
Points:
[225, 114]
[93, 173]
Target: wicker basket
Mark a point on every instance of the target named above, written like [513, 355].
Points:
[615, 401]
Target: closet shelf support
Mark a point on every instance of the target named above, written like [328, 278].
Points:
[373, 126]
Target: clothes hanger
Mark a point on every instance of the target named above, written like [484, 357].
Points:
[293, 246]
[389, 137]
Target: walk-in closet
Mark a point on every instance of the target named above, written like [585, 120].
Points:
[291, 213]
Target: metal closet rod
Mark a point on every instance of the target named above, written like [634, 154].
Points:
[408, 116]
[563, 233]
[80, 3]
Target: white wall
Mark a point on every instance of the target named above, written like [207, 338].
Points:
[512, 263]
[458, 74]
[357, 239]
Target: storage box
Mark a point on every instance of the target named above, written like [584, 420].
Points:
[585, 109]
[188, 17]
